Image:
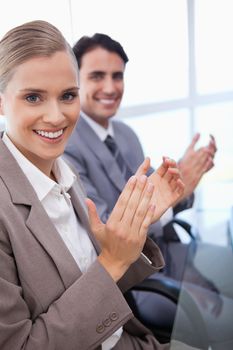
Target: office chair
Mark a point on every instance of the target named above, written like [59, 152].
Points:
[171, 290]
[170, 231]
[163, 285]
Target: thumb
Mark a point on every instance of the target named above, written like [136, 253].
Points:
[96, 224]
[143, 168]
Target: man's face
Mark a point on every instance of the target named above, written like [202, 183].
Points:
[101, 84]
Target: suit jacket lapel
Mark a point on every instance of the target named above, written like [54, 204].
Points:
[102, 153]
[77, 198]
[38, 222]
[42, 228]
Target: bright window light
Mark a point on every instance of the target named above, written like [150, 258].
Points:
[162, 134]
[154, 35]
[214, 49]
[57, 12]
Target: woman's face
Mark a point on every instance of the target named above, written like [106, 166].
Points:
[41, 106]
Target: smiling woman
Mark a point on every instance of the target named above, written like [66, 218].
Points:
[41, 105]
[38, 92]
[59, 267]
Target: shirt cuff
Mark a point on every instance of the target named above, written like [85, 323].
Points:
[145, 257]
[166, 217]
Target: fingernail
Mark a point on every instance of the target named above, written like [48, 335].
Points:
[133, 179]
[142, 178]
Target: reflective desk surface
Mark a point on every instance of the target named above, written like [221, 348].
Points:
[204, 317]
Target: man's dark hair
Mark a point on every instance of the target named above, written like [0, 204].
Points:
[86, 44]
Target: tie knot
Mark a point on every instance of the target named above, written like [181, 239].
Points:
[111, 144]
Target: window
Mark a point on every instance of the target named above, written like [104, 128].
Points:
[179, 78]
[154, 35]
[17, 12]
[167, 132]
[214, 50]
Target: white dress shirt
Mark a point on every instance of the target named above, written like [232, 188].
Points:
[100, 131]
[57, 204]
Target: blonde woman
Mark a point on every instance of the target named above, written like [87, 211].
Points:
[63, 273]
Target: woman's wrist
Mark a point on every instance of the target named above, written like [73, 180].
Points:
[115, 270]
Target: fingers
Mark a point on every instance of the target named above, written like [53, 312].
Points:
[172, 172]
[195, 138]
[162, 168]
[136, 199]
[209, 152]
[143, 168]
[202, 160]
[212, 147]
[180, 187]
[147, 221]
[143, 215]
[208, 165]
[95, 222]
[177, 185]
[167, 163]
[123, 199]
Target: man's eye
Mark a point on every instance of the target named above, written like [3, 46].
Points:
[118, 76]
[96, 77]
[32, 98]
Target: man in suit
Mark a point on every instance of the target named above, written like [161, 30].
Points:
[102, 63]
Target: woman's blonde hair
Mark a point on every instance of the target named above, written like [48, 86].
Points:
[31, 39]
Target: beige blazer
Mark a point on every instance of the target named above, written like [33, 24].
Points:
[46, 303]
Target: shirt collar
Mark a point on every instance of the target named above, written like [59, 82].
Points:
[101, 132]
[41, 183]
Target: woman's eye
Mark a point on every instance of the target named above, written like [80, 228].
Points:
[32, 98]
[69, 96]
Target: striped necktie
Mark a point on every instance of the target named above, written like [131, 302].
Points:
[113, 148]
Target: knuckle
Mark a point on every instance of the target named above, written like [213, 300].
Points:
[122, 201]
[121, 233]
[110, 227]
[140, 213]
[145, 224]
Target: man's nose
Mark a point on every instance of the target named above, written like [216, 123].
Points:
[109, 86]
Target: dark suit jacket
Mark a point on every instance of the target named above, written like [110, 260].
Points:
[46, 303]
[98, 170]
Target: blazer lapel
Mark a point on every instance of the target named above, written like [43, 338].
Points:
[77, 198]
[102, 153]
[42, 228]
[37, 222]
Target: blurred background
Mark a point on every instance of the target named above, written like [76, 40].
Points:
[179, 80]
